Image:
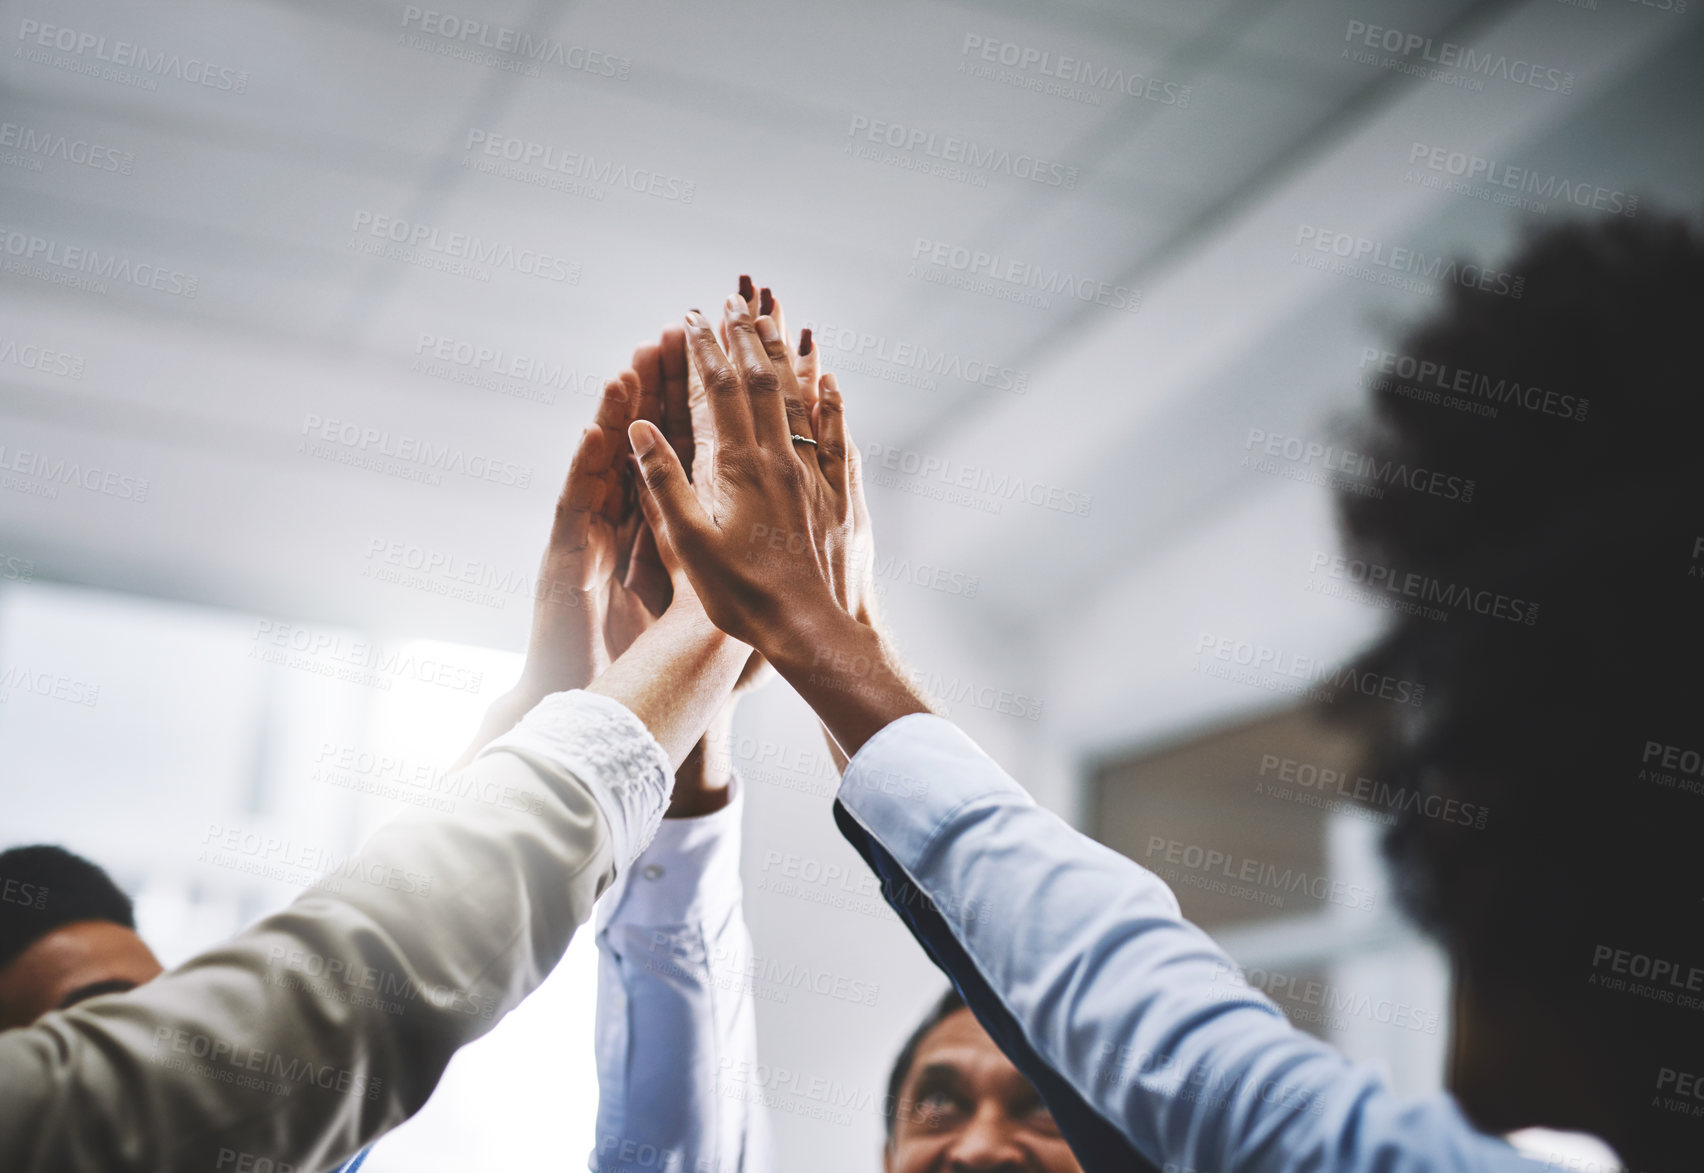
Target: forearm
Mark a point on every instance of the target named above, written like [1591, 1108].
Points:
[328, 1023]
[498, 720]
[867, 616]
[1123, 1007]
[565, 652]
[675, 678]
[848, 673]
[704, 781]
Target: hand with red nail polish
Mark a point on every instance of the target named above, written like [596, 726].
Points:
[805, 391]
[802, 394]
[766, 533]
[759, 485]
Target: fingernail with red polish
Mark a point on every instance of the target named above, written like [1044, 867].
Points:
[766, 303]
[745, 287]
[804, 341]
[695, 317]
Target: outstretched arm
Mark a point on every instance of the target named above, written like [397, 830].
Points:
[769, 551]
[327, 1024]
[322, 1027]
[1077, 960]
[1135, 1026]
[676, 1008]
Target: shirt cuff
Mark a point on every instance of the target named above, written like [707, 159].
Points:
[690, 874]
[908, 780]
[601, 743]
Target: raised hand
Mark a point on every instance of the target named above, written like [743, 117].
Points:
[640, 590]
[600, 582]
[858, 590]
[766, 539]
[758, 537]
[809, 381]
[565, 648]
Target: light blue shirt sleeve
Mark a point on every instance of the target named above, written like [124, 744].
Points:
[1124, 998]
[676, 1023]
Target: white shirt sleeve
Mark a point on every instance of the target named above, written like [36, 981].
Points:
[1121, 996]
[676, 1027]
[327, 1024]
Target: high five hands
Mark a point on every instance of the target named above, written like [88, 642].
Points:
[761, 533]
[751, 510]
[601, 581]
[769, 535]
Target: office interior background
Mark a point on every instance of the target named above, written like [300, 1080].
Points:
[359, 270]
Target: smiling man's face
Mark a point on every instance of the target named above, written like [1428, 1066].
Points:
[963, 1106]
[71, 964]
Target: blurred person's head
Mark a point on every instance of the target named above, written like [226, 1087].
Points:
[1574, 916]
[67, 934]
[955, 1102]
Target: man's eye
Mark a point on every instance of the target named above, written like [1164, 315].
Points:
[1039, 1118]
[934, 1108]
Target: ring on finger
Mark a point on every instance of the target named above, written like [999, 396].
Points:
[798, 439]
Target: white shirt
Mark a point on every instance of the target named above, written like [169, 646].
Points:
[676, 1027]
[1087, 950]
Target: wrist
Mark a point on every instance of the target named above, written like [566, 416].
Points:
[848, 673]
[693, 637]
[704, 782]
[566, 650]
[866, 612]
[534, 685]
[685, 619]
[828, 642]
[675, 677]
